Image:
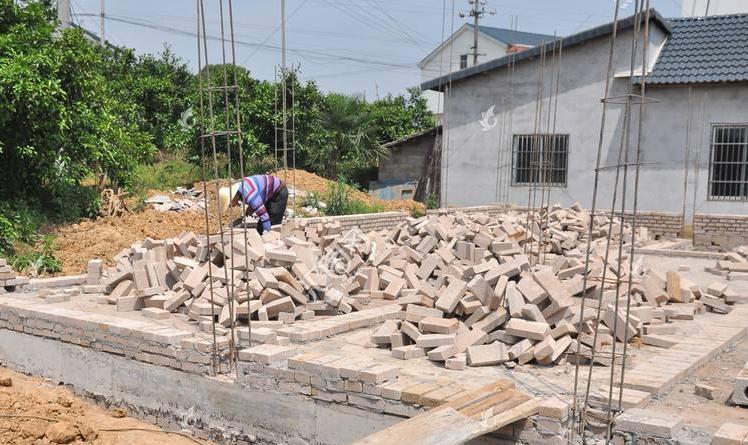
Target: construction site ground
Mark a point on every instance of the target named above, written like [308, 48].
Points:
[34, 396]
[546, 382]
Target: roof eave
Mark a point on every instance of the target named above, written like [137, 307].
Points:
[575, 39]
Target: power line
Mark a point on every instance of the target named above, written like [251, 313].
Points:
[299, 52]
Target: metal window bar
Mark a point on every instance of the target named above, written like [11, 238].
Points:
[548, 166]
[728, 164]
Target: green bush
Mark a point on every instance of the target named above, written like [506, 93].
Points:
[167, 173]
[339, 201]
[40, 261]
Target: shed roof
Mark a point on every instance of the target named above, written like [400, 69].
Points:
[703, 50]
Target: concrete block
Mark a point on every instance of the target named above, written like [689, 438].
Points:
[408, 352]
[648, 423]
[731, 434]
[155, 313]
[450, 297]
[527, 329]
[378, 374]
[486, 355]
[435, 340]
[457, 363]
[438, 325]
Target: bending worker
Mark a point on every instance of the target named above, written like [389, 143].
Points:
[264, 195]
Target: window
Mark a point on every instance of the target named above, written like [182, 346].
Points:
[463, 61]
[540, 158]
[728, 165]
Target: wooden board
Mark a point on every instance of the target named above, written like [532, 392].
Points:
[469, 415]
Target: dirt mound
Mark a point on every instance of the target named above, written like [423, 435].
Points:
[36, 411]
[310, 182]
[105, 237]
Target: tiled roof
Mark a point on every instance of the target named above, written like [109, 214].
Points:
[512, 37]
[704, 49]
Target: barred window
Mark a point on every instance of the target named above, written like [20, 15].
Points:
[728, 165]
[540, 158]
[463, 61]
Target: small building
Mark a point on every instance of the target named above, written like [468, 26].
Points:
[411, 160]
[455, 53]
[508, 116]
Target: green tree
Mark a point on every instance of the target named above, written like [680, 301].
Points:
[60, 119]
[350, 135]
[399, 116]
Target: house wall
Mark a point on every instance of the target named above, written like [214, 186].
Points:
[406, 161]
[448, 60]
[476, 163]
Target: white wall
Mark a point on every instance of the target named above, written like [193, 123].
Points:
[477, 164]
[447, 60]
[697, 8]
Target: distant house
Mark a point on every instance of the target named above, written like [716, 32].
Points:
[694, 133]
[412, 160]
[454, 53]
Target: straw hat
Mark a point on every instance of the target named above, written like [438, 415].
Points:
[225, 194]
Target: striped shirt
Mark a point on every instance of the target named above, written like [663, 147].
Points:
[256, 191]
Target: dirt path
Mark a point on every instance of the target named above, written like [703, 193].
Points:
[73, 419]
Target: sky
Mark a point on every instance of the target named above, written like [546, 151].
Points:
[369, 47]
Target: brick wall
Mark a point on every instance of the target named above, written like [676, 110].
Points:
[366, 222]
[724, 231]
[659, 224]
[491, 210]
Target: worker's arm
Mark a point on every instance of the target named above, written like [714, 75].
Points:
[257, 206]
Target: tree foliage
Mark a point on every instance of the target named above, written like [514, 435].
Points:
[71, 109]
[60, 119]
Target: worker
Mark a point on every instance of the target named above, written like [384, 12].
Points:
[264, 195]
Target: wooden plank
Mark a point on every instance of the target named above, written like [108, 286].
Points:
[468, 416]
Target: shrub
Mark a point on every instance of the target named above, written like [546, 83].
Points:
[432, 201]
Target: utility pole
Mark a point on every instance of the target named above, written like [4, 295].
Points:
[63, 13]
[102, 39]
[283, 83]
[477, 11]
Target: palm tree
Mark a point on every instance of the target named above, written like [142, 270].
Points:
[352, 132]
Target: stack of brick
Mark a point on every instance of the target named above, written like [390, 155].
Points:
[8, 278]
[474, 299]
[733, 267]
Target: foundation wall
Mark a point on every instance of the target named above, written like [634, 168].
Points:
[216, 408]
[366, 222]
[709, 230]
[724, 231]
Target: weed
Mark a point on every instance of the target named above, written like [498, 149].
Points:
[38, 261]
[432, 201]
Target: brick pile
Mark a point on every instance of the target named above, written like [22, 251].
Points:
[8, 277]
[474, 289]
[733, 267]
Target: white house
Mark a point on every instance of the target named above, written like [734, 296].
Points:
[693, 133]
[455, 53]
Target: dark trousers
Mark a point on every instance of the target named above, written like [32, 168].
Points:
[276, 207]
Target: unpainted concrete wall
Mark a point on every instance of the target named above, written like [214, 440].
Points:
[178, 400]
[477, 164]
